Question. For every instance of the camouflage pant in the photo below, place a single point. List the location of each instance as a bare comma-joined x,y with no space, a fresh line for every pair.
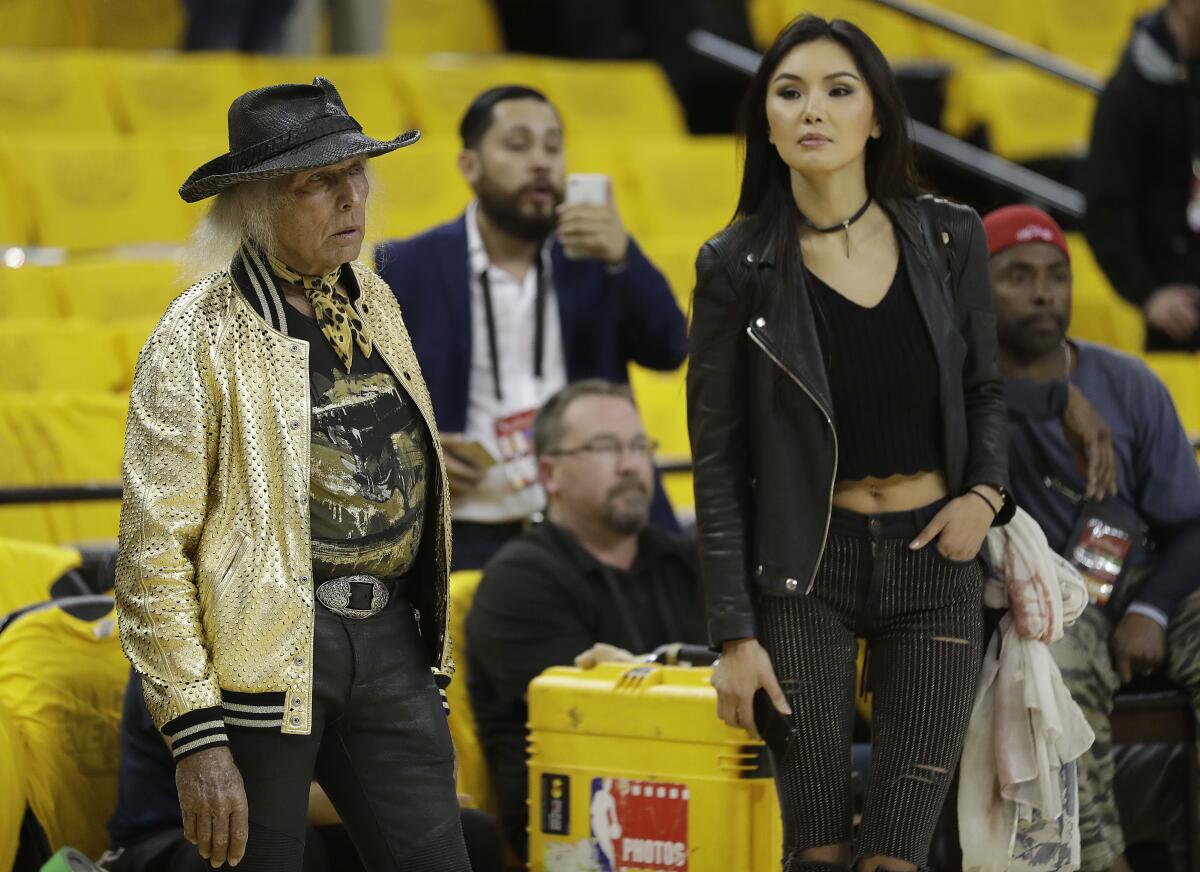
1082,655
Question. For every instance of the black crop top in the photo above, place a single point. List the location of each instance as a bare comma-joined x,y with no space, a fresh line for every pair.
883,376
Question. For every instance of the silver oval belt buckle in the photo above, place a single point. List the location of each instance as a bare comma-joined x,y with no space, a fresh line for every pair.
335,596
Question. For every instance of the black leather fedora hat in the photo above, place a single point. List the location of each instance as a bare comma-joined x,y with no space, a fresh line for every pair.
281,129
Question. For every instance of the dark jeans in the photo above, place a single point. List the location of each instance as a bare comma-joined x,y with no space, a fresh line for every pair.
922,617
236,25
380,748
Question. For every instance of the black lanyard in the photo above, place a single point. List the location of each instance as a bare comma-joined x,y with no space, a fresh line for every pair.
539,331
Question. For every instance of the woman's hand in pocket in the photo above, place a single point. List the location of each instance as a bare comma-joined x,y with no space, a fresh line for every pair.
959,528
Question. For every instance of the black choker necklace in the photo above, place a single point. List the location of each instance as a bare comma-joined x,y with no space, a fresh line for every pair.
841,225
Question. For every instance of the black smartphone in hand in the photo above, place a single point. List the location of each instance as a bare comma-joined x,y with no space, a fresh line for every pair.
774,727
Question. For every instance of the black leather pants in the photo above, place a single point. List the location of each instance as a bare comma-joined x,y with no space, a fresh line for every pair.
380,748
922,617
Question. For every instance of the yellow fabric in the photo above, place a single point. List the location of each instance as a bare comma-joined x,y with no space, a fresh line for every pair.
30,292
418,189
62,681
206,518
15,225
1181,374
114,290
698,177
1098,313
334,314
472,767
12,789
27,569
92,192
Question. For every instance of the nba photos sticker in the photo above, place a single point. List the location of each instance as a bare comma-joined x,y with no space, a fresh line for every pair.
639,826
556,804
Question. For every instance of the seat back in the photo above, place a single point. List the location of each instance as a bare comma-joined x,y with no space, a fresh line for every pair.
27,571
472,767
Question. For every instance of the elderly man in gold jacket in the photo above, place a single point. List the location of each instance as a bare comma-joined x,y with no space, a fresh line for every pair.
284,547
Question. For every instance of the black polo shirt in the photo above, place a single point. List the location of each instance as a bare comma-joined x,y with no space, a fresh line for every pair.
542,601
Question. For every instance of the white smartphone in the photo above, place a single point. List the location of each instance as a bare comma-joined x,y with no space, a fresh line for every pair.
590,188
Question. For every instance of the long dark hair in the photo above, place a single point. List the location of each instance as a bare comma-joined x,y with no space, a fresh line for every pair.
766,200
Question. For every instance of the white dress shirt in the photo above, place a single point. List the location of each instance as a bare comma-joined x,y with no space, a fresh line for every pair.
500,497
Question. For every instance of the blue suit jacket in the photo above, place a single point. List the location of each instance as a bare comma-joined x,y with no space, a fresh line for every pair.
607,319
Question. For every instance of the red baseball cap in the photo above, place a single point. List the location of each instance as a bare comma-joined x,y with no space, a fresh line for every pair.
1016,225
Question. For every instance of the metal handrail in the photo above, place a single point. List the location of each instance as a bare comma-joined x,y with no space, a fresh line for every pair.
70,493
976,160
1001,43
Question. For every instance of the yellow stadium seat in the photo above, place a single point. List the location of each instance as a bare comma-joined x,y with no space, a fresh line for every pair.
54,92
1026,113
46,354
62,439
685,190
439,88
91,193
16,222
28,569
29,292
1019,19
662,401
676,259
130,335
117,290
136,24
442,26
897,36
601,99
367,85
1094,38
177,93
44,24
416,188
472,767
1098,313
1181,374
13,798
62,683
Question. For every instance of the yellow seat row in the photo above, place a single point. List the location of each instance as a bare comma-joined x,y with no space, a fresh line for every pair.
1091,35
411,25
189,93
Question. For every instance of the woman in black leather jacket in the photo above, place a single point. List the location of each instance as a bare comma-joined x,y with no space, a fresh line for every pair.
848,435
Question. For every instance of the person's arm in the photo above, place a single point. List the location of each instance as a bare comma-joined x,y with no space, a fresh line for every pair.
1167,494
718,427
170,455
1113,183
983,389
654,330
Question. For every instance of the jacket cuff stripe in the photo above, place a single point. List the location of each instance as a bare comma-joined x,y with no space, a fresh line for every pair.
195,731
255,722
192,746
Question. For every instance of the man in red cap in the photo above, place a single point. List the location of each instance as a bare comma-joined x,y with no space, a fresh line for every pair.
1140,483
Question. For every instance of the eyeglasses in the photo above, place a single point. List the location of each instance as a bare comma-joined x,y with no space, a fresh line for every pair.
606,447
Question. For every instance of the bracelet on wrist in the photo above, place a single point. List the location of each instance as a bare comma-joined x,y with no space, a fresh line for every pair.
987,502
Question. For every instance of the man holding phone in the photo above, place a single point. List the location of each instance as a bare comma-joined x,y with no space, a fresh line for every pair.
519,296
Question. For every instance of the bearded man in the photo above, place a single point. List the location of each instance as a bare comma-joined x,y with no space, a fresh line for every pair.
593,583
520,296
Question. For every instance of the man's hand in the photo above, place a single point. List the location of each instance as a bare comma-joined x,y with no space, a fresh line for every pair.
1175,310
602,652
212,800
461,469
961,525
1091,442
1138,646
596,231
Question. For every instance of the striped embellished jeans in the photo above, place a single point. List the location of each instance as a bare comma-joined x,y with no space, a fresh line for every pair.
922,617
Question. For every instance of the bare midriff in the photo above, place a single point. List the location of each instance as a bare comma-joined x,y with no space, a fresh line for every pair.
896,493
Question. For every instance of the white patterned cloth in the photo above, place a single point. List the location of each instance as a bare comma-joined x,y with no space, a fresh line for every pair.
1017,796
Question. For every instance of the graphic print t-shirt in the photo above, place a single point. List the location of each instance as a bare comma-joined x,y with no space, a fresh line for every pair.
369,459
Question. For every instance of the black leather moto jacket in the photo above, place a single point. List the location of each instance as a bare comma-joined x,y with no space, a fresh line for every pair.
760,417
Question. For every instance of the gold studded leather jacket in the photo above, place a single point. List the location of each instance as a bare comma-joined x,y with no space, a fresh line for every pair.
213,592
